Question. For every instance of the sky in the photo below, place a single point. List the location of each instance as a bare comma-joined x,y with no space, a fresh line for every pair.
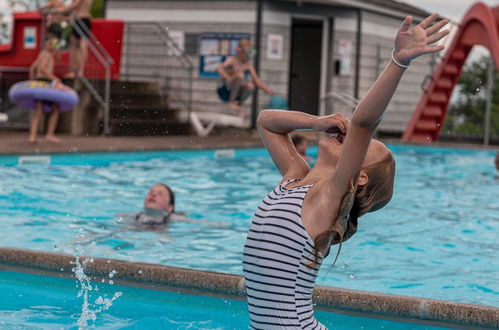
452,9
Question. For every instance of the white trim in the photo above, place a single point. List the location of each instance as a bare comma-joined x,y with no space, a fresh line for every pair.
324,65
271,17
345,24
379,30
181,15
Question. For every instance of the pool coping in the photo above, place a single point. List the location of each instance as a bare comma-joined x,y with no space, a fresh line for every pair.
177,279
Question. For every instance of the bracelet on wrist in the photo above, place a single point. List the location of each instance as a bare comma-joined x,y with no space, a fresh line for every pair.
397,63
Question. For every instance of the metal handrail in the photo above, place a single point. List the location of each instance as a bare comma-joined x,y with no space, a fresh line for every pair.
169,43
107,61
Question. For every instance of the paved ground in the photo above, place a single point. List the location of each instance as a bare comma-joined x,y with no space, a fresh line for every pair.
17,142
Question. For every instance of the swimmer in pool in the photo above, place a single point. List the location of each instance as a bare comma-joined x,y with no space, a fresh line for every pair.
311,209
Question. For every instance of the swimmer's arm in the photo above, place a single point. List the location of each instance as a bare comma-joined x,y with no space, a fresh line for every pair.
221,69
368,114
274,127
258,82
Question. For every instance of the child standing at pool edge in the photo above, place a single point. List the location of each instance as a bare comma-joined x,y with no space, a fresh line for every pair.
43,69
311,209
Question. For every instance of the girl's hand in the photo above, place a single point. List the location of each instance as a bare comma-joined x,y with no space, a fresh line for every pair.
332,124
411,43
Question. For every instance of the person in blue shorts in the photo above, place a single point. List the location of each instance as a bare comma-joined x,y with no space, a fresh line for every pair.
234,88
310,209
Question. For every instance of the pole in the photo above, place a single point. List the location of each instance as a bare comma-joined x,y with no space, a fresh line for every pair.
258,46
488,104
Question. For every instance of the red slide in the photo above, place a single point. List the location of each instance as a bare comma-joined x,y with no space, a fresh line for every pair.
480,26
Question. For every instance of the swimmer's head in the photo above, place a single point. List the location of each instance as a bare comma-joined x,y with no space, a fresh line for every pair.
245,49
160,197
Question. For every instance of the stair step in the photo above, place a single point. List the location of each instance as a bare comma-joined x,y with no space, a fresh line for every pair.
438,98
433,111
119,85
421,138
427,125
445,83
148,128
451,69
145,101
147,115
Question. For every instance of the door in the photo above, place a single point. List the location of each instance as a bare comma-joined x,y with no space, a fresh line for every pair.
305,67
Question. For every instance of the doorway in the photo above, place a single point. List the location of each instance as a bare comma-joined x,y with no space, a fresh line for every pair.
305,66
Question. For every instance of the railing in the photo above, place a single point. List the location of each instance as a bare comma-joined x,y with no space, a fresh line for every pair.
151,54
99,88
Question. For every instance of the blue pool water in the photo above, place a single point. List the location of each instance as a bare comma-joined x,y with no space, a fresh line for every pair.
436,239
40,302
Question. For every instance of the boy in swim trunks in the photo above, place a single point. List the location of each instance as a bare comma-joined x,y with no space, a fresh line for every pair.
80,10
54,9
42,69
233,88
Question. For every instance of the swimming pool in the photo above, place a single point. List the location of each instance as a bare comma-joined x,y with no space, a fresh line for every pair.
436,239
45,302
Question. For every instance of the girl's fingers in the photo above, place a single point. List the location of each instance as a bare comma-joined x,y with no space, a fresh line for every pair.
428,20
435,27
406,24
437,37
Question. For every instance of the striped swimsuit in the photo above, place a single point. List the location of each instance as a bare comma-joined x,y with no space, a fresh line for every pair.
277,263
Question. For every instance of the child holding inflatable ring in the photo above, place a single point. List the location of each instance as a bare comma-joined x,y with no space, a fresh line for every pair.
42,70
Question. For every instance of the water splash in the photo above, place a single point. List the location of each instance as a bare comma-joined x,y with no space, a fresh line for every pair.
89,311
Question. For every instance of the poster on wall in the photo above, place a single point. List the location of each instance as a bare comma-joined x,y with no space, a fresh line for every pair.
344,55
178,38
29,37
214,48
275,46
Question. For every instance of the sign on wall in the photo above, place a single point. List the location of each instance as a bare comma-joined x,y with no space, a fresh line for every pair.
214,48
29,37
275,46
344,55
178,38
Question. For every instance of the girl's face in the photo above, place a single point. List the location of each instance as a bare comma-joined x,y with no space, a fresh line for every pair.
158,198
330,150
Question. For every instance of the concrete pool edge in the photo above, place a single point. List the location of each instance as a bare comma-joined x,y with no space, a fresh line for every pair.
228,285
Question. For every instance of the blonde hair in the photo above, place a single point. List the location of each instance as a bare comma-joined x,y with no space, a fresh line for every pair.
356,202
244,44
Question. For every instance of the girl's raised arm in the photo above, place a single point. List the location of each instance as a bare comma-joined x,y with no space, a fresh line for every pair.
409,44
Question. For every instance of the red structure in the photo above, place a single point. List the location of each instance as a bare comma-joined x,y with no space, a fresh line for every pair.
480,26
26,43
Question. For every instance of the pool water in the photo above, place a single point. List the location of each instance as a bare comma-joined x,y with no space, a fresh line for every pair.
436,239
41,302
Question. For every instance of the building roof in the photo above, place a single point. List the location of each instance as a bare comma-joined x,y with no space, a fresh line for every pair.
393,7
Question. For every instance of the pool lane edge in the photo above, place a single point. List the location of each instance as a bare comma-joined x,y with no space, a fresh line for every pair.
177,279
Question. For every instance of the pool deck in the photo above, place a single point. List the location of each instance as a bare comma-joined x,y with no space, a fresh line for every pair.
16,143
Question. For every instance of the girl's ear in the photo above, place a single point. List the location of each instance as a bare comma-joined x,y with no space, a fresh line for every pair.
363,178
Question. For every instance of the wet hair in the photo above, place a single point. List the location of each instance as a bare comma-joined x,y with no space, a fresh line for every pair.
172,195
244,44
356,202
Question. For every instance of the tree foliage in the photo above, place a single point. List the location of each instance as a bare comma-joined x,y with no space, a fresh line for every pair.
467,115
